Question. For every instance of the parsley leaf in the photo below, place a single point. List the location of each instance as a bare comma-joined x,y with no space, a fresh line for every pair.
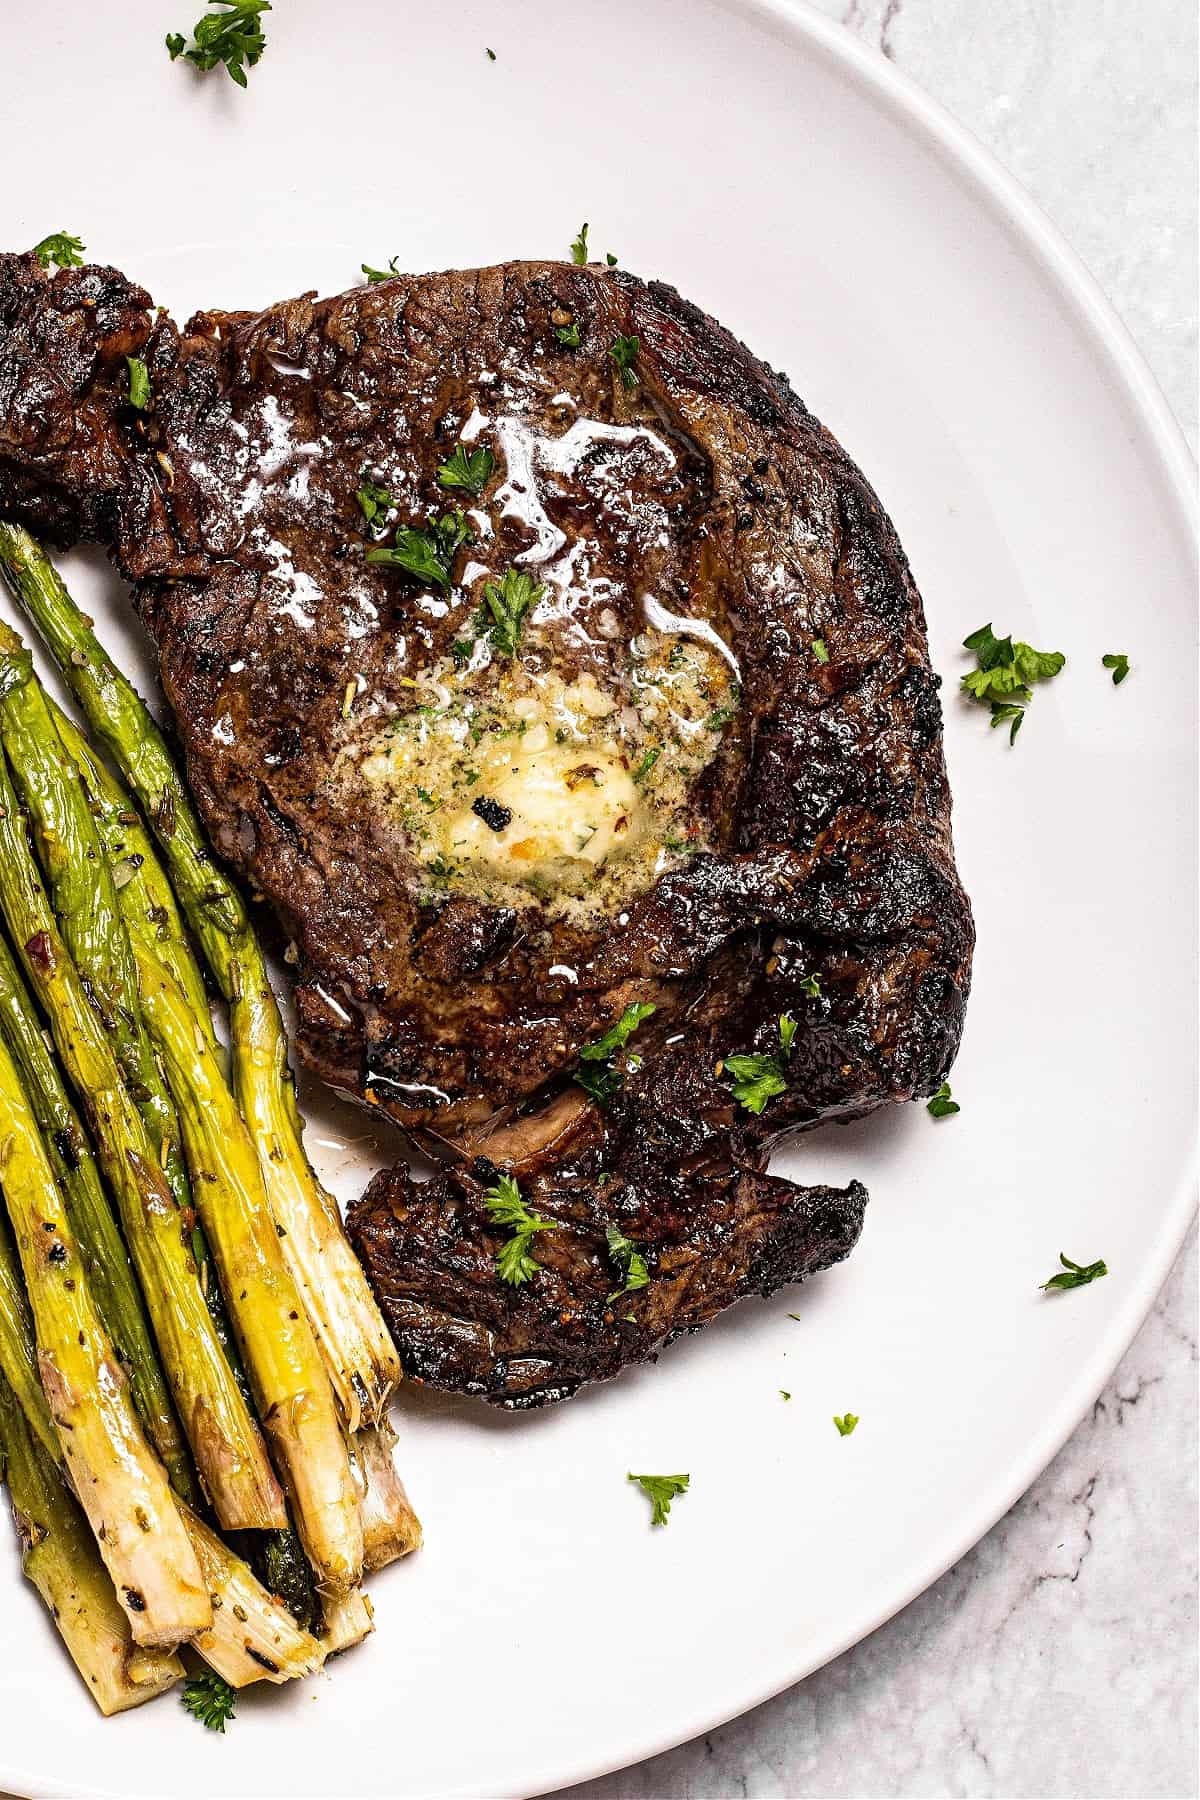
660,1490
630,1263
819,650
427,553
139,383
811,985
1005,673
610,259
846,1423
941,1106
568,336
756,1079
625,352
1118,662
514,1264
508,604
759,1078
374,275
1004,713
209,1699
467,469
60,248
603,1080
579,249
783,1394
491,55
375,502
232,36
647,763
1075,1274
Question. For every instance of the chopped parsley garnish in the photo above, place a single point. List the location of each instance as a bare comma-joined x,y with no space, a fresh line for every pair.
601,1077
568,336
629,1261
427,553
625,352
209,1699
374,275
491,54
1118,662
514,1264
1004,677
509,601
1075,1274
819,650
810,985
610,259
61,249
717,720
759,1078
139,383
467,469
846,1423
232,36
1004,712
375,503
941,1105
579,249
783,1394
660,1490
647,763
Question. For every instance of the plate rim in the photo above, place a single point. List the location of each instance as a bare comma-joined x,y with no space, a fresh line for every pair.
1096,319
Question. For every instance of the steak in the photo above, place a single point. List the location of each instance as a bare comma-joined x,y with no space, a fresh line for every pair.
549,669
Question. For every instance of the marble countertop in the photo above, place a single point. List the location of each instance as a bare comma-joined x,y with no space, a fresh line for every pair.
1059,1656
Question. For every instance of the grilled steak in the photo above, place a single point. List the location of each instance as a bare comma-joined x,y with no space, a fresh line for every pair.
638,715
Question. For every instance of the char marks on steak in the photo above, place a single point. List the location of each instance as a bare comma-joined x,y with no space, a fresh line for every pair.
710,779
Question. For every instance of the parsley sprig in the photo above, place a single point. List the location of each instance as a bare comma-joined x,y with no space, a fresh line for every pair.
660,1490
599,1074
629,1262
1118,662
426,553
941,1106
759,1078
1005,675
61,249
139,383
625,352
846,1423
467,469
374,275
508,601
1075,1274
579,249
231,36
209,1699
514,1263
375,502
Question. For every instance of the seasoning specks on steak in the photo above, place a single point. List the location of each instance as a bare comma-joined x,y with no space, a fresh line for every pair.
489,831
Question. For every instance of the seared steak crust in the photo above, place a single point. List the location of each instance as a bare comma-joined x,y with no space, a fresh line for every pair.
807,867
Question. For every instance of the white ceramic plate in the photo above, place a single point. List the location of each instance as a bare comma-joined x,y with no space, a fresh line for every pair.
803,192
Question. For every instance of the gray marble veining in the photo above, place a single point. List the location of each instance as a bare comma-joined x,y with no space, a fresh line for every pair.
1058,1658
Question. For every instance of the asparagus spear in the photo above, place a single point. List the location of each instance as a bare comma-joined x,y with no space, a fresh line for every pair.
354,1341
120,1483
18,1357
252,1636
286,1372
391,1528
59,1556
223,1434
111,1276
